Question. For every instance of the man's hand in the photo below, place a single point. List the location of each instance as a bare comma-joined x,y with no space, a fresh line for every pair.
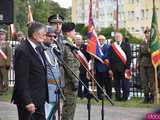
31,107
110,74
106,61
87,75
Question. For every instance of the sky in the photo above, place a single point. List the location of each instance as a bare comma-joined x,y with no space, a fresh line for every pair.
64,3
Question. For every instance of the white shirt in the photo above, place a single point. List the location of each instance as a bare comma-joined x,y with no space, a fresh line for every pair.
33,45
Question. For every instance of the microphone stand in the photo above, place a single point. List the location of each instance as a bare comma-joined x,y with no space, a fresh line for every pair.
89,96
102,110
89,105
105,94
59,93
67,67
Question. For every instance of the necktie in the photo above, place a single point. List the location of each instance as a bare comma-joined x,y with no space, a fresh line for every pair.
40,54
118,42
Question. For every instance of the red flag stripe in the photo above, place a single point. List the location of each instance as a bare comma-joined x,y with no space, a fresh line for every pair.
119,54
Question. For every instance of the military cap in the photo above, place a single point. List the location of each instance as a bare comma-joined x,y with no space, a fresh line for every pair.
55,18
67,27
2,30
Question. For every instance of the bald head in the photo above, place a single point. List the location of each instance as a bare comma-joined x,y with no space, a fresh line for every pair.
118,36
78,40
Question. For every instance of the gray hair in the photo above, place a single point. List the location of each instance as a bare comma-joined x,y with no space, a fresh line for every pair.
36,27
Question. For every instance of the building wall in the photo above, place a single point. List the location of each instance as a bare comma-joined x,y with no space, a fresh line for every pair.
134,15
138,15
74,11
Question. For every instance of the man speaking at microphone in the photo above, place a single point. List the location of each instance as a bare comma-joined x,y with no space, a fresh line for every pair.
30,89
71,83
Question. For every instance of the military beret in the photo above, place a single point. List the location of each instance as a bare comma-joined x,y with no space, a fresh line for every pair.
67,27
55,18
2,30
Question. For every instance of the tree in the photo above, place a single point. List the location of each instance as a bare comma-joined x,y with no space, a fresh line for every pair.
107,33
54,8
41,9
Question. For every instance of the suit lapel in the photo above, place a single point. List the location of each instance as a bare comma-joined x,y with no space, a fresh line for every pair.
31,49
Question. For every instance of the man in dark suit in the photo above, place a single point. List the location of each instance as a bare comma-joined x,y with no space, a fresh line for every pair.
30,90
120,59
82,91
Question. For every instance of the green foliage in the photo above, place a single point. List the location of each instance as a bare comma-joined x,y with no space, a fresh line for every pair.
82,29
79,28
40,9
54,8
20,15
107,33
84,32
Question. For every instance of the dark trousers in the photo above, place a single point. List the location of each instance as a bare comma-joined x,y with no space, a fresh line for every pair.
23,114
121,83
105,82
82,91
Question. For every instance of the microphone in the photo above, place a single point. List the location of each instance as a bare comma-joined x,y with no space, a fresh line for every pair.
72,47
55,49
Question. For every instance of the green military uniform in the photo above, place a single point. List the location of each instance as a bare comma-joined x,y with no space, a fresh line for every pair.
146,70
4,66
70,88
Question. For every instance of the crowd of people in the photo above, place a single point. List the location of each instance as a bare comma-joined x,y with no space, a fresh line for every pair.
47,68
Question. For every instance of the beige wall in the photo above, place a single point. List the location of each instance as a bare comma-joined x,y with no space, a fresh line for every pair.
74,14
140,15
137,16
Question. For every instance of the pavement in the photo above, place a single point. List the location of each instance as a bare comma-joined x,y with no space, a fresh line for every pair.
8,112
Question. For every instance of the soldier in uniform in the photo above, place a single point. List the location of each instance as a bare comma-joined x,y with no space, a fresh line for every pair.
56,22
71,82
5,61
146,68
53,71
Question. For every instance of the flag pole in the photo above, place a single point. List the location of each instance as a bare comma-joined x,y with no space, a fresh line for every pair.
117,15
156,101
156,91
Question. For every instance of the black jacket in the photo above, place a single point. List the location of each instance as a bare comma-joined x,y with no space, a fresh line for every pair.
30,77
116,63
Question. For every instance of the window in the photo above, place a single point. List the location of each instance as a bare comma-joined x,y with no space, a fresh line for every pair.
142,14
142,28
132,14
132,29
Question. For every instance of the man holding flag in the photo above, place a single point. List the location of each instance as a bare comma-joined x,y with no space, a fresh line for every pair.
155,48
146,68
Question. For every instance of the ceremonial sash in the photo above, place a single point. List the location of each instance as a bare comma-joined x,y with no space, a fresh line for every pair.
82,59
120,53
4,56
